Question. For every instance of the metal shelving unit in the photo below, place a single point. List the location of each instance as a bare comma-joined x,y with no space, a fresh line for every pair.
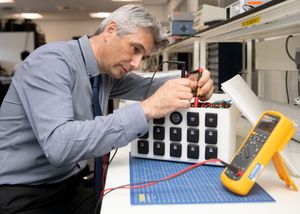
273,19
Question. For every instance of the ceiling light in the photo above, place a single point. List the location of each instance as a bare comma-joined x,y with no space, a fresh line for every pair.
31,15
99,15
7,1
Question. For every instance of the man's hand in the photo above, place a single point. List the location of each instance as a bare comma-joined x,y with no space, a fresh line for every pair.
173,94
205,83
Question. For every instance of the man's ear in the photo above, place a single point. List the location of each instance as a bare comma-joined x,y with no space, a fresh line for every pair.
111,27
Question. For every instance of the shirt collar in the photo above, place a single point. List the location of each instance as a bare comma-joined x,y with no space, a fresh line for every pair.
88,57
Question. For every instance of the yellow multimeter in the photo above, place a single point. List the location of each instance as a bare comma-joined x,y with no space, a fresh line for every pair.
271,133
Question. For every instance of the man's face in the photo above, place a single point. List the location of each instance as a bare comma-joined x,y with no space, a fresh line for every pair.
124,54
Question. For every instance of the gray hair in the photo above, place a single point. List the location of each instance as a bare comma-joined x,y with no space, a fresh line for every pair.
130,17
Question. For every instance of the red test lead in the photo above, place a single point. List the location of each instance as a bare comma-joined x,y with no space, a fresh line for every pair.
196,100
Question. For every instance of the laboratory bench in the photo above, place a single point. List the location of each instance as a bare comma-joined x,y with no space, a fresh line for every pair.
286,200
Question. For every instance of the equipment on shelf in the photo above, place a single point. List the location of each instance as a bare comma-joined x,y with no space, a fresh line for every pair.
207,15
181,23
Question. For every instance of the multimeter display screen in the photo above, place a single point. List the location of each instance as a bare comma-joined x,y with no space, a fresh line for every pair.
253,144
267,123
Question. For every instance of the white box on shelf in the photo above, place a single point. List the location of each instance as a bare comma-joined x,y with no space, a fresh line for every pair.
207,14
233,9
242,6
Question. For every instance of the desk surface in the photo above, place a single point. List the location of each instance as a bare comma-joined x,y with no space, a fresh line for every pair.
119,200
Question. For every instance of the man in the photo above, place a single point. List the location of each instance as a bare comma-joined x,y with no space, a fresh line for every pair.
47,130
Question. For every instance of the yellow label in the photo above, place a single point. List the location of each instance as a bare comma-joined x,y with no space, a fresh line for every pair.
250,22
142,197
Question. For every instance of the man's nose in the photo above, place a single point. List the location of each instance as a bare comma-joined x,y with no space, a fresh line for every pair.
136,61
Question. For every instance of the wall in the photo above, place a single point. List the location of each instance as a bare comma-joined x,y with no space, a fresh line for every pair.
172,5
11,45
272,64
63,30
160,13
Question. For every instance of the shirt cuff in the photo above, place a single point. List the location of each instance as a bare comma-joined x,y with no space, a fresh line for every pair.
133,120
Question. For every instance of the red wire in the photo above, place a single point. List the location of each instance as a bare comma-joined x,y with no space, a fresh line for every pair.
196,101
151,183
105,161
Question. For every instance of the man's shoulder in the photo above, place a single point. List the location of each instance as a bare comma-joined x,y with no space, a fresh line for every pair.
59,47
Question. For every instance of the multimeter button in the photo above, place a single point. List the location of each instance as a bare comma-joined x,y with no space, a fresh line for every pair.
175,134
159,120
211,136
176,117
239,173
211,120
158,132
192,119
143,147
175,150
211,152
193,151
193,135
159,148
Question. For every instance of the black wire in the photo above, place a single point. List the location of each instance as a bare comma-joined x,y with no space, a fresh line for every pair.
290,56
297,141
287,47
107,165
97,205
286,87
168,61
112,157
105,173
149,85
298,87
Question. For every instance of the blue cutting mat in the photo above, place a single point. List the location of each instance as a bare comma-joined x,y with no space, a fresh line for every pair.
200,185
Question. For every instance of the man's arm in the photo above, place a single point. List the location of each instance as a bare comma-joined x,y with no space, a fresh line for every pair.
165,94
177,94
136,87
